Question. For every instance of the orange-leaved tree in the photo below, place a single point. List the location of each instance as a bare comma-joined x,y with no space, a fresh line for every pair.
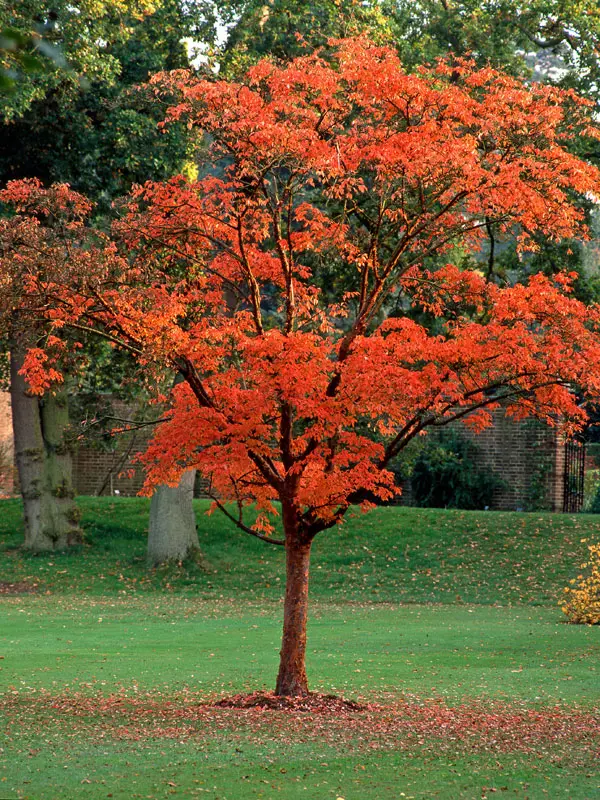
294,286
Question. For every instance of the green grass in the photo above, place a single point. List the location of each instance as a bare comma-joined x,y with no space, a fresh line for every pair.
170,644
389,555
436,609
288,772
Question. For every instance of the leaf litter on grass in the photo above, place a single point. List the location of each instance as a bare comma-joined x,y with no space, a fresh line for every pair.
364,726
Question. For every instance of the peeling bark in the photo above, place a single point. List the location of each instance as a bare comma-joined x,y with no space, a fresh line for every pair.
291,679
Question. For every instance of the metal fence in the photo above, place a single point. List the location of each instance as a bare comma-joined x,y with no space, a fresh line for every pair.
574,477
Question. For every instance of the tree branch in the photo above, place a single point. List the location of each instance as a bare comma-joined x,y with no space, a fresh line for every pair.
245,528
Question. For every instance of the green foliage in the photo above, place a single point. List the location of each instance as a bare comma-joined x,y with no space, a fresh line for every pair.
17,55
55,48
109,375
551,258
85,119
536,495
285,29
428,29
564,34
594,505
539,464
505,33
101,135
446,474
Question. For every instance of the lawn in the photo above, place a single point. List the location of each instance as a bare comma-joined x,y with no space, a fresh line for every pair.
443,625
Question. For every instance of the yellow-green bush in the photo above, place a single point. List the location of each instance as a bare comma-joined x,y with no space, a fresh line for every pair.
582,599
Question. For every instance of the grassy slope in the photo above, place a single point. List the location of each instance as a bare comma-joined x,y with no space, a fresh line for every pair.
407,603
389,555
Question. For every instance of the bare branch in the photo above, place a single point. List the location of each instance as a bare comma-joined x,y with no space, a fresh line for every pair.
245,528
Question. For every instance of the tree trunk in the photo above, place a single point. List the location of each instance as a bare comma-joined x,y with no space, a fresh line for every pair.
292,680
44,465
172,534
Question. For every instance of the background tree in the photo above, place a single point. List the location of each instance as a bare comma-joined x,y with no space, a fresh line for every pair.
40,423
556,39
57,242
95,127
83,117
356,162
50,47
49,55
285,29
552,41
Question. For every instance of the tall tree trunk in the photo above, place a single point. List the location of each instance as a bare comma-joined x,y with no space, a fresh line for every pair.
292,680
44,465
172,534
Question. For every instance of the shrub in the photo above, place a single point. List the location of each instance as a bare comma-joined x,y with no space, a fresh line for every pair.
582,598
593,506
446,474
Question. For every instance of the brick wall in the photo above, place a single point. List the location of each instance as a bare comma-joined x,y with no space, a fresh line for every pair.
528,456
110,466
103,471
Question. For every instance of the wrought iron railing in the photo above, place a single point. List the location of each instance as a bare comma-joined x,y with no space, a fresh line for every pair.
574,477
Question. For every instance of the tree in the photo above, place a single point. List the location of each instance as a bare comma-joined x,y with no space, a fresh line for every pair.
563,34
285,29
44,464
100,135
172,533
504,33
82,118
39,423
554,41
343,160
60,46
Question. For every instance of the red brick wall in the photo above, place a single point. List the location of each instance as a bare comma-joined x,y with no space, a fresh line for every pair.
526,455
101,472
112,468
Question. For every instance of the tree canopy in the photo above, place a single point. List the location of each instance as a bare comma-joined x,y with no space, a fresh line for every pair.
340,158
562,36
60,45
87,119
